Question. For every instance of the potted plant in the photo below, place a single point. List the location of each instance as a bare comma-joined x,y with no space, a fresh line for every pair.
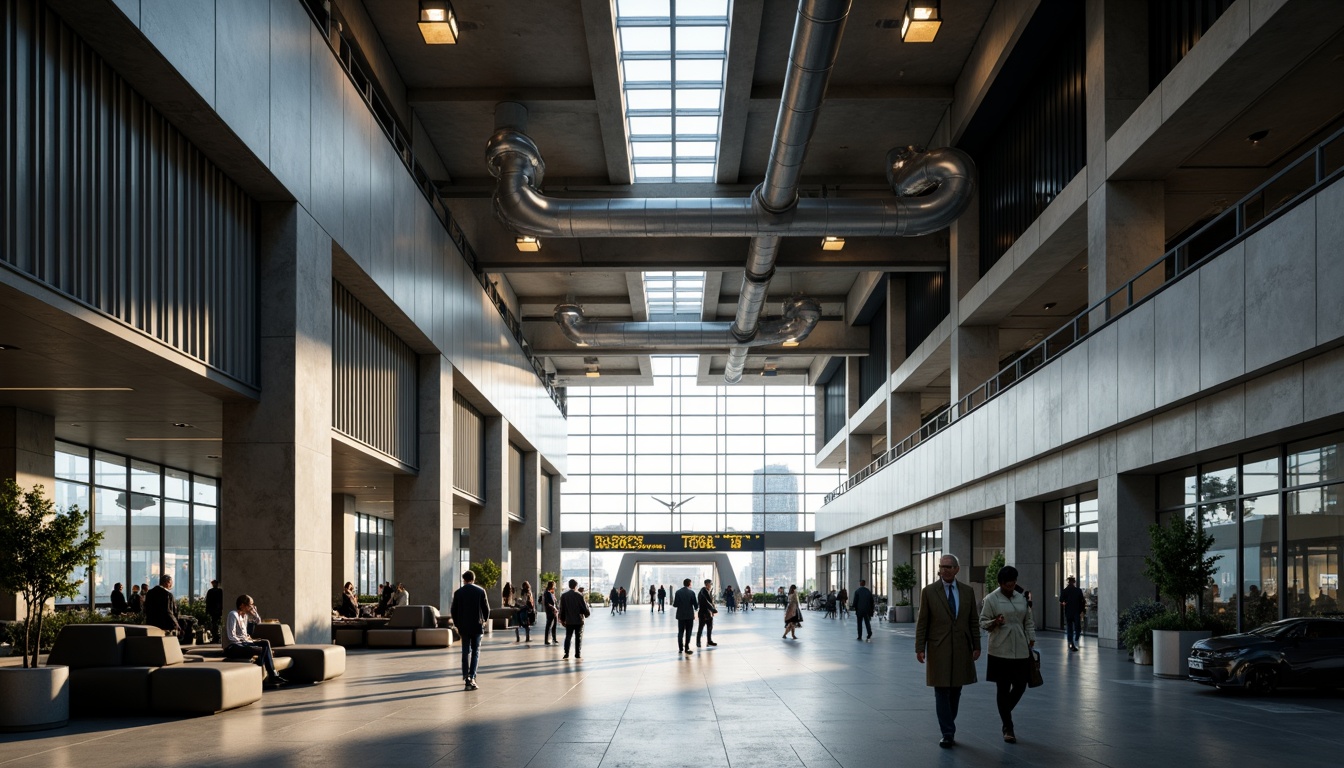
903,581
487,576
40,548
1180,567
545,577
1135,631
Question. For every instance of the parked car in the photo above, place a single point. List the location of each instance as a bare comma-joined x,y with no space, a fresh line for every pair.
1305,652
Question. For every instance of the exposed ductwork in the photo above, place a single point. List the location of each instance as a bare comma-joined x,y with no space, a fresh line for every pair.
932,188
801,315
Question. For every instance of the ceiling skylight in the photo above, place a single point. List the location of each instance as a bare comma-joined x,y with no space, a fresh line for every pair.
672,55
674,295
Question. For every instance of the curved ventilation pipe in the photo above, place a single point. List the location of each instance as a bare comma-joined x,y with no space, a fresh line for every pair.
801,315
932,189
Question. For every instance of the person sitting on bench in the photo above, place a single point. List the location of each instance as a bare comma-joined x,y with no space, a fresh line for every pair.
238,644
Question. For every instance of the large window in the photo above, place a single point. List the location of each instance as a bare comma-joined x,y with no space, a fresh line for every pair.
926,547
373,553
1277,524
680,456
1071,550
154,520
873,567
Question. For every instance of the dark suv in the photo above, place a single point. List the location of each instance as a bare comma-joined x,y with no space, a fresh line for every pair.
1292,652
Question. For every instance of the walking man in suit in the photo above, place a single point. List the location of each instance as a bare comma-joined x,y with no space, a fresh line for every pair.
684,602
573,610
707,611
470,610
948,635
863,609
1074,603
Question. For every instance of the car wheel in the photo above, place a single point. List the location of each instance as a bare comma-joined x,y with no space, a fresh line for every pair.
1261,680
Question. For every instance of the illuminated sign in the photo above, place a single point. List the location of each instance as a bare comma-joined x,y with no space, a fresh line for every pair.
678,542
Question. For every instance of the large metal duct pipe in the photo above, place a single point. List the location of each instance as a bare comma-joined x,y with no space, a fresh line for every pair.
801,315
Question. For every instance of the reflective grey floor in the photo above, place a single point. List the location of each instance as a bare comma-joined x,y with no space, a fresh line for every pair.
755,700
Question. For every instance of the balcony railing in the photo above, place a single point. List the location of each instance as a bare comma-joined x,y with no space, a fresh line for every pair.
1303,178
347,54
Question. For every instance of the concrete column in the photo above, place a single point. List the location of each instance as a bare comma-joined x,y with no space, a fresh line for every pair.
275,521
550,543
525,540
1024,549
975,358
853,558
342,542
490,523
1125,508
1126,231
28,457
823,577
964,252
1117,74
898,551
902,416
957,541
896,351
853,396
858,452
423,502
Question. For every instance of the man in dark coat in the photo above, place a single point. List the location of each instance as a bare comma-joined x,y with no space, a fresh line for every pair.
1074,603
662,598
118,600
948,633
470,610
214,606
863,609
683,602
706,615
161,607
573,610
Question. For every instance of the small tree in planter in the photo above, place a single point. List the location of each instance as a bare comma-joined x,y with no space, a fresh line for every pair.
487,573
545,577
1179,564
903,581
996,564
40,548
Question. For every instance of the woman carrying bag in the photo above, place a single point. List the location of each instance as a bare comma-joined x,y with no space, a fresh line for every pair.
527,613
1012,634
793,615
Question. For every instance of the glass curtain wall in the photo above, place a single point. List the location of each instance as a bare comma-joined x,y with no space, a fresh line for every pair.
1277,525
373,553
681,457
926,547
154,520
873,567
1071,550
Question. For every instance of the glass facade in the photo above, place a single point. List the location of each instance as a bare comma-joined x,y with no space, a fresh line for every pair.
1071,550
154,520
926,547
873,567
373,553
1277,525
678,456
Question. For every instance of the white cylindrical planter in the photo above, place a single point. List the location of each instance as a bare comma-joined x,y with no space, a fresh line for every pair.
1143,656
1171,651
34,699
901,614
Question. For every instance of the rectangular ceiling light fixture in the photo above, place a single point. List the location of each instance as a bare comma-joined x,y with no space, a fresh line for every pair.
527,243
438,22
922,20
832,243
671,56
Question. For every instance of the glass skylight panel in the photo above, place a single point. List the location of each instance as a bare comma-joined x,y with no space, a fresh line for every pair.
674,295
672,55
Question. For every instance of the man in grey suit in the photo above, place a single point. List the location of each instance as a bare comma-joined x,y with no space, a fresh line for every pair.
684,603
948,634
470,610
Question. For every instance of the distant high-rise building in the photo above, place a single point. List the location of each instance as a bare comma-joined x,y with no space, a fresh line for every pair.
775,506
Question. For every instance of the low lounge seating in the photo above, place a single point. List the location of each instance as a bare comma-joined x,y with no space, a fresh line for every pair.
131,669
411,626
298,663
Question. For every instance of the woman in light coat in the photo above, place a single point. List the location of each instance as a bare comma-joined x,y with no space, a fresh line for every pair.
793,615
1006,616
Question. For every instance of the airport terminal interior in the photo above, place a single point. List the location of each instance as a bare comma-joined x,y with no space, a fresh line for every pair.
295,293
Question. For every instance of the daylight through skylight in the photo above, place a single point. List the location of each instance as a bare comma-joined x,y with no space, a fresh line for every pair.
672,55
674,295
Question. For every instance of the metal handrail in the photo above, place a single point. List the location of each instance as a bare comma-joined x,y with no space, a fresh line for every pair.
344,51
1247,216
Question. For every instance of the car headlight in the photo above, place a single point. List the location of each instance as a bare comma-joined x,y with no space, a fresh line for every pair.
1230,653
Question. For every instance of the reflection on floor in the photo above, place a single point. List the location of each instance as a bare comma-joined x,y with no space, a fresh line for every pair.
755,700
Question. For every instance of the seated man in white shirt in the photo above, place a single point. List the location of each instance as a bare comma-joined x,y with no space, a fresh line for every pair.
238,644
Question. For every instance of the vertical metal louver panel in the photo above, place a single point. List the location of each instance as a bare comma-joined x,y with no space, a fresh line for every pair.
468,449
873,368
928,299
833,401
373,380
1174,26
107,203
1038,148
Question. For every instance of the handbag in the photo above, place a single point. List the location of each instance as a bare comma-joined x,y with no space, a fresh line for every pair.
1036,681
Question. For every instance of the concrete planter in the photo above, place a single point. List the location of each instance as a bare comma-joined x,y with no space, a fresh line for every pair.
1143,656
901,614
34,699
1171,651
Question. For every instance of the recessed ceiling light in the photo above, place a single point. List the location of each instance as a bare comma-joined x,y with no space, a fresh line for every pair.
1049,305
1257,137
8,348
183,425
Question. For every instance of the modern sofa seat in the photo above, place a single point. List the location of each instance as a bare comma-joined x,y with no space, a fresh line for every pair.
411,626
130,669
304,663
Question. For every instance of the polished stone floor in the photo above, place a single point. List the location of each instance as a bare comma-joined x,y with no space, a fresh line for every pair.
755,700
